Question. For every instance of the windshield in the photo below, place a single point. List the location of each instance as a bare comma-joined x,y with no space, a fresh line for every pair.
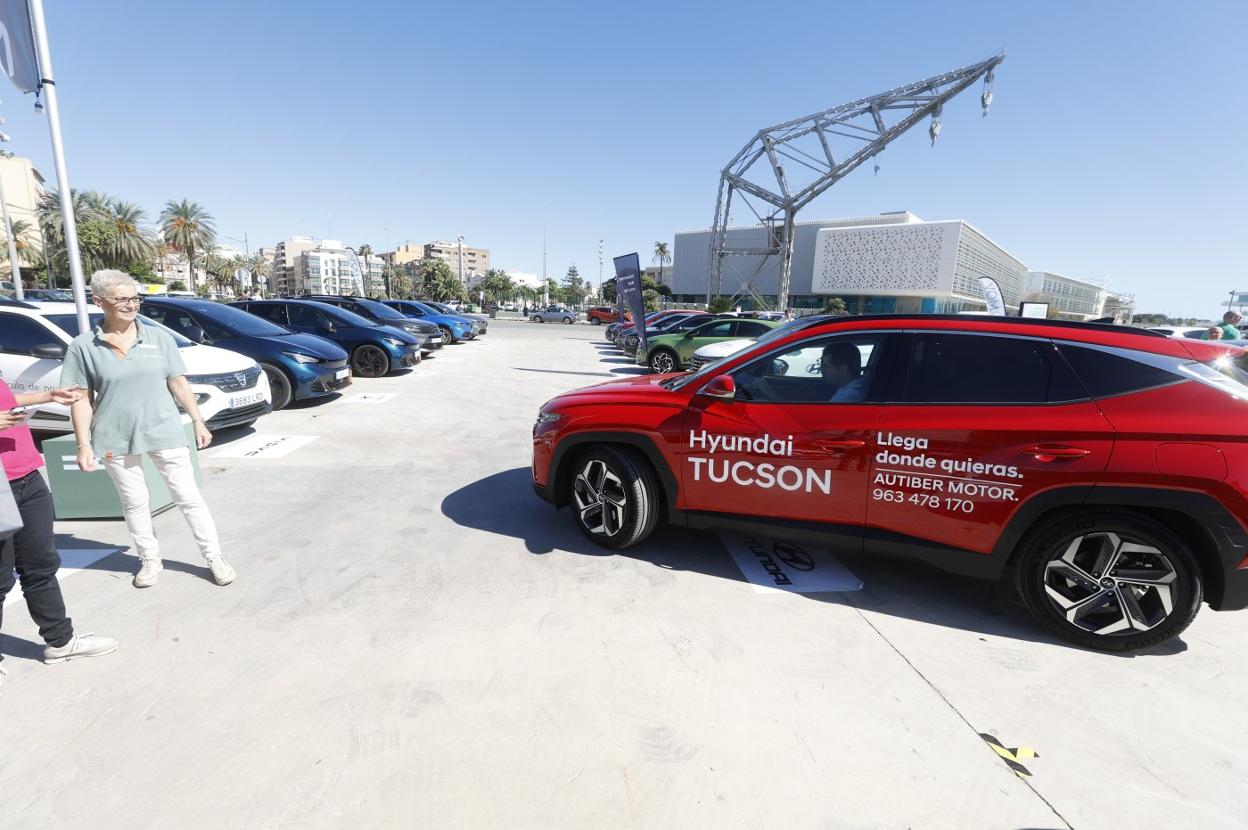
240,322
380,310
69,324
710,368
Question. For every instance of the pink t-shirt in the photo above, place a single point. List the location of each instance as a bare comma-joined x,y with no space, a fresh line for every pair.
18,455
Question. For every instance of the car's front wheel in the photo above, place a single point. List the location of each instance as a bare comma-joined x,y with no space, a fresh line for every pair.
614,496
1109,581
370,361
279,385
448,336
594,321
663,361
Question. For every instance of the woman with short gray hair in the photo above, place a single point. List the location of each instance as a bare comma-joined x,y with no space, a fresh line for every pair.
133,373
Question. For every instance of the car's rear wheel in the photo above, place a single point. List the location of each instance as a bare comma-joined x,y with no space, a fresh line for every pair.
614,497
663,361
567,321
594,321
370,362
279,385
1109,581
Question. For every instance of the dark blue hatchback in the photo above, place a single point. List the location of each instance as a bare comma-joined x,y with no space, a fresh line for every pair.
374,349
299,366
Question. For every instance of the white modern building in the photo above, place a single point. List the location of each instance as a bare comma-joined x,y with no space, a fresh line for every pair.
1069,298
303,265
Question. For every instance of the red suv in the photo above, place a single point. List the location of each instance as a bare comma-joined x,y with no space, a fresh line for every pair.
1102,470
605,314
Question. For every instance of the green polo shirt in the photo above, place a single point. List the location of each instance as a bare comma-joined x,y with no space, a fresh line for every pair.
134,411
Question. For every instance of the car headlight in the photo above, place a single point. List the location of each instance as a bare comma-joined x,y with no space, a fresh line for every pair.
394,341
300,357
544,417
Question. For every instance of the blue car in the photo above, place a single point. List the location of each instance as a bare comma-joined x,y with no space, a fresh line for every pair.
454,327
430,335
299,366
374,349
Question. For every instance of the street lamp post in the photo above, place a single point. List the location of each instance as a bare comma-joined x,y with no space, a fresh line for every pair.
461,260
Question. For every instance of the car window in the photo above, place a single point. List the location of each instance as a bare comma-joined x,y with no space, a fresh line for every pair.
723,328
836,369
273,312
182,322
749,328
986,369
302,315
20,334
1105,375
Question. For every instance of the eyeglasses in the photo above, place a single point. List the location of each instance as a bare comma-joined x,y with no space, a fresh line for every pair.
124,301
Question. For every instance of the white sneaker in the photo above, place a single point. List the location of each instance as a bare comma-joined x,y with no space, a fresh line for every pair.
149,572
222,573
84,645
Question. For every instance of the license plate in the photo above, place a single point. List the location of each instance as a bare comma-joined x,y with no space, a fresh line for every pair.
246,400
341,373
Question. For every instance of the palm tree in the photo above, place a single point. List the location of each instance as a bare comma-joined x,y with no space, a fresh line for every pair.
364,251
663,256
133,243
189,228
259,266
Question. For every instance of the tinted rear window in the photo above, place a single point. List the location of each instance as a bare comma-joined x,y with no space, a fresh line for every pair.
1105,375
985,369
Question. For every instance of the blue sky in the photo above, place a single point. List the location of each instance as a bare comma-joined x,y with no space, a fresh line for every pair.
1115,147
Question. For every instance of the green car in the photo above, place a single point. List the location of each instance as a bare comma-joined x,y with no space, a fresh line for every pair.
671,352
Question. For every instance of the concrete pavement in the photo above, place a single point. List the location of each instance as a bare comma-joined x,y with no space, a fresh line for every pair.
415,640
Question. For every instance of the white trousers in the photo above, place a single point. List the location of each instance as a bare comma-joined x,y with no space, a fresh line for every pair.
175,468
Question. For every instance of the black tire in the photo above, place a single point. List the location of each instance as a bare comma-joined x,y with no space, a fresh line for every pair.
370,361
536,319
1060,573
448,336
594,321
567,321
279,385
629,505
662,361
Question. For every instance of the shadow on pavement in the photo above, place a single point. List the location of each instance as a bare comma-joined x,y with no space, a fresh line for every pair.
504,503
631,370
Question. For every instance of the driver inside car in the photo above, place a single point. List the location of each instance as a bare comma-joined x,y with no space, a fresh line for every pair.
841,367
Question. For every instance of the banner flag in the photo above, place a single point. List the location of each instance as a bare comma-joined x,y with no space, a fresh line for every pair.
628,290
992,296
357,274
17,45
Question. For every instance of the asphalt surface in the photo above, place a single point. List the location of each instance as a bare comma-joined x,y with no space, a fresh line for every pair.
415,640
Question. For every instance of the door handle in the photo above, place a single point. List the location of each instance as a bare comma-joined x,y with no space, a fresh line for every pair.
838,445
1054,452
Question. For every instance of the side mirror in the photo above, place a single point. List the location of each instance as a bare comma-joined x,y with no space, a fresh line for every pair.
196,334
49,351
721,386
327,327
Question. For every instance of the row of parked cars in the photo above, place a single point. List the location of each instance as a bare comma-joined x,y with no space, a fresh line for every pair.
249,357
675,337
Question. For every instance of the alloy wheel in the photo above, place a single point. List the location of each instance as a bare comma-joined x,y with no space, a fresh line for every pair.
600,498
662,363
371,362
1109,585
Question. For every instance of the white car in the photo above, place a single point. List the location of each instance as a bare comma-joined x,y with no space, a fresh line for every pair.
231,389
1193,332
713,352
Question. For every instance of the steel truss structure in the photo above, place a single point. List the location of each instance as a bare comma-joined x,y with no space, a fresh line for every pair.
852,133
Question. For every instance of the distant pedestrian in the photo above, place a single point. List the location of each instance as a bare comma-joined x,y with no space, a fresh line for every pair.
526,309
1214,333
1230,325
133,373
31,551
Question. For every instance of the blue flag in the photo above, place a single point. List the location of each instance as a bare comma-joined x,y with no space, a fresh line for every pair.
628,289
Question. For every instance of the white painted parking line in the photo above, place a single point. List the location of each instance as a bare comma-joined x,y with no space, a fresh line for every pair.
264,446
371,397
774,566
73,560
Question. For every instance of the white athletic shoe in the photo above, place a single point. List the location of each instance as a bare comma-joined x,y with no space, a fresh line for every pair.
222,573
149,572
84,645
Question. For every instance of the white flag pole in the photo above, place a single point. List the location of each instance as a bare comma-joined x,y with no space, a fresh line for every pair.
58,159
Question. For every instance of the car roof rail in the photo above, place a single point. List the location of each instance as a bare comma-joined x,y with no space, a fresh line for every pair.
1013,321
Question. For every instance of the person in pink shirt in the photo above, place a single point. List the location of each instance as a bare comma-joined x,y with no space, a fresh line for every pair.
31,551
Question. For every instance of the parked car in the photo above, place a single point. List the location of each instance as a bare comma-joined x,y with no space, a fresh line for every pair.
725,348
652,319
48,295
298,366
375,349
230,388
1085,465
482,319
553,314
668,325
454,327
1194,332
600,314
670,352
428,333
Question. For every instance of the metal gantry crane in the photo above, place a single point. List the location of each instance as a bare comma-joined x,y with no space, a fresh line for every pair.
825,147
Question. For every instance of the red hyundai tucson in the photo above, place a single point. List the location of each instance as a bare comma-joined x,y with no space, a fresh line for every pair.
1102,470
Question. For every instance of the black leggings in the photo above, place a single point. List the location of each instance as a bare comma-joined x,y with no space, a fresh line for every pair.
32,553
